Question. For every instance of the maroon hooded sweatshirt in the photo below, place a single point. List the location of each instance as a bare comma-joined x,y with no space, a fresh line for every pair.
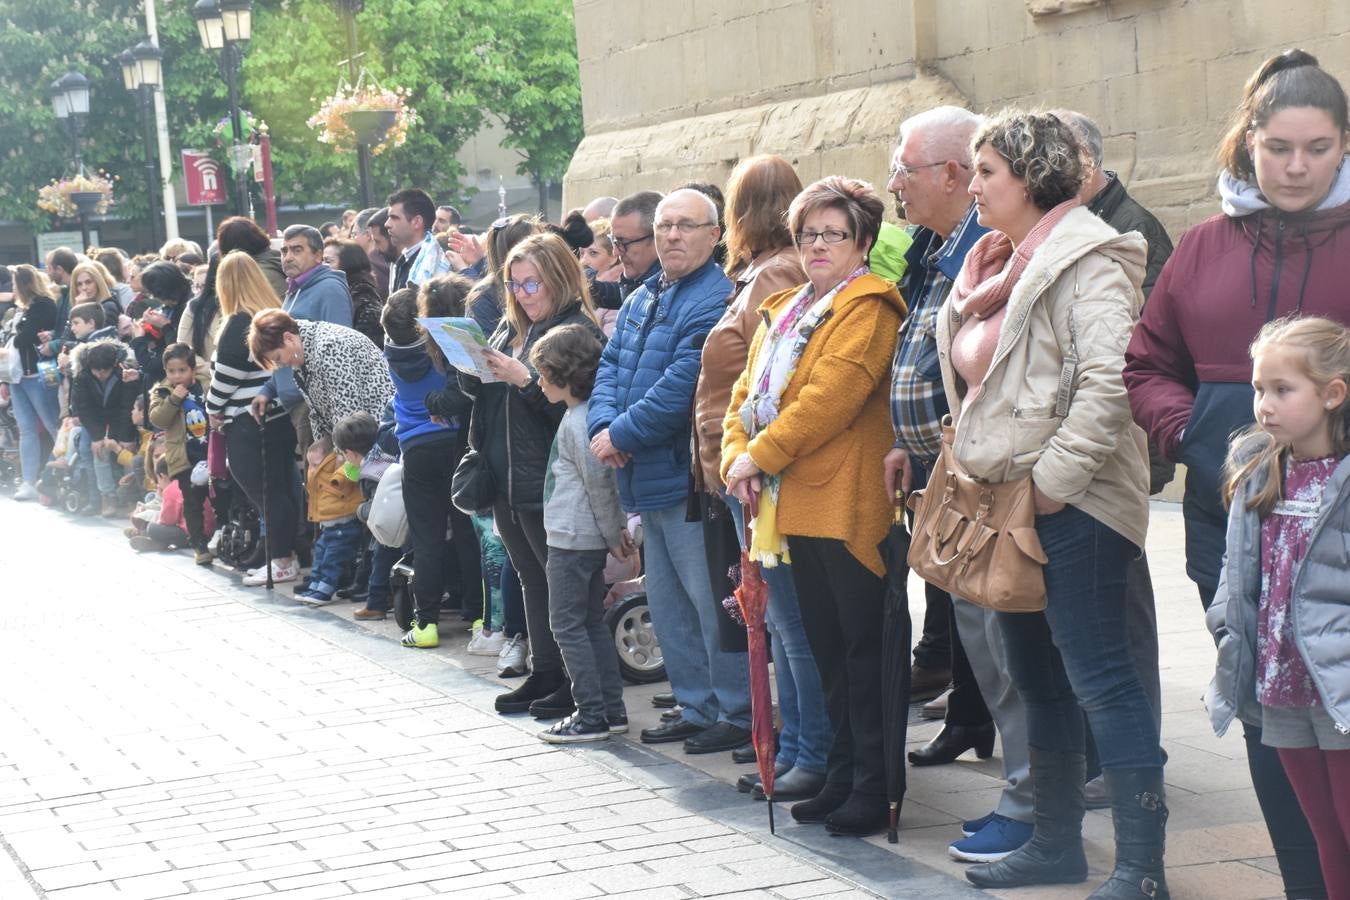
1187,367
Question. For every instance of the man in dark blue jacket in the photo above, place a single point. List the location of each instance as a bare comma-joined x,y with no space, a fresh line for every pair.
639,422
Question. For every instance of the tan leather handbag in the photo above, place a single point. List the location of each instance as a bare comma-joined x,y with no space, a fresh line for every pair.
977,540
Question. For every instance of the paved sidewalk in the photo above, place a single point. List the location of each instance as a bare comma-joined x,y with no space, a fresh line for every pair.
164,733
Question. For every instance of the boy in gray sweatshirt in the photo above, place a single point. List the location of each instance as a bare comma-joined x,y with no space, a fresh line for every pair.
584,523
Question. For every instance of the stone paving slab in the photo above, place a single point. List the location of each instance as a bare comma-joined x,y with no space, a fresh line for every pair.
210,740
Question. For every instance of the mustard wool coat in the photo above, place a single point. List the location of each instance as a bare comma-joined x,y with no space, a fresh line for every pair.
834,427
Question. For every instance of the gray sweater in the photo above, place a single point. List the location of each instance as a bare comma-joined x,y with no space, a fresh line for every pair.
581,498
1319,607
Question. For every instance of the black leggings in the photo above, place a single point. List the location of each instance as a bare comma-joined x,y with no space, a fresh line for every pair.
526,543
427,468
194,502
243,454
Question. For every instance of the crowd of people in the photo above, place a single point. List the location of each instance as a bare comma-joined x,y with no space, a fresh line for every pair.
778,367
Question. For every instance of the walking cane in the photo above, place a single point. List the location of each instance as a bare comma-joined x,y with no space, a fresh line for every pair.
266,525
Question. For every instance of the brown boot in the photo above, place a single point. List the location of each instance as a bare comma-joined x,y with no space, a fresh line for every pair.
109,508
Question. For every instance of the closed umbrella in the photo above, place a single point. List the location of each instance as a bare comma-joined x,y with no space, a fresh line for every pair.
753,597
896,634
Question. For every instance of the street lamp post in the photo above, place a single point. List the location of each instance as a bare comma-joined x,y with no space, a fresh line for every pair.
70,102
142,73
227,25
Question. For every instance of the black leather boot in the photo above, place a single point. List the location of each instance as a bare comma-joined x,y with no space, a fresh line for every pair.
1054,855
1140,817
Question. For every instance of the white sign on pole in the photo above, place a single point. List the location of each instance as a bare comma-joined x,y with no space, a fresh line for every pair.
49,241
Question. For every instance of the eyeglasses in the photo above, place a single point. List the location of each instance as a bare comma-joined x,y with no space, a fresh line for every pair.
686,228
830,236
622,246
530,287
907,172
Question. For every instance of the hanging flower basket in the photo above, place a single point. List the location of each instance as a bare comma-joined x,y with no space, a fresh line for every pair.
59,197
365,114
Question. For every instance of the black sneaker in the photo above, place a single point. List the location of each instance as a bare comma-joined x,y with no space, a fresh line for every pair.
618,723
575,730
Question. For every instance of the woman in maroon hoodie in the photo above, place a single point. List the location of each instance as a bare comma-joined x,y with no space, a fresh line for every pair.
1280,248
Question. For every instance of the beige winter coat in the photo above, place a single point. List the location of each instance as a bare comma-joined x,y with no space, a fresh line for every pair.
1080,291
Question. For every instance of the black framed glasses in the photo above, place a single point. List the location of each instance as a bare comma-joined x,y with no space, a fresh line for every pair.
530,287
622,246
829,236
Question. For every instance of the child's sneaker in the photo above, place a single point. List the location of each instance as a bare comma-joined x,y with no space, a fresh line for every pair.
575,730
214,544
424,637
281,574
485,643
512,661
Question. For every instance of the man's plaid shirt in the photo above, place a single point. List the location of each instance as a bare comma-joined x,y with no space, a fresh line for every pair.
918,402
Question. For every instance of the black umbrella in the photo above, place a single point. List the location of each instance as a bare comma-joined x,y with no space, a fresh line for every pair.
896,634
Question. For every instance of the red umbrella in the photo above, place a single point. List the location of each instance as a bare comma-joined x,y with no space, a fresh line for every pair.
753,596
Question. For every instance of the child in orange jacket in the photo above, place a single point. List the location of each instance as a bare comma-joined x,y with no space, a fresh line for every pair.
333,499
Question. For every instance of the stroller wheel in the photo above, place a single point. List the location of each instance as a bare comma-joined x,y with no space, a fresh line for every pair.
640,659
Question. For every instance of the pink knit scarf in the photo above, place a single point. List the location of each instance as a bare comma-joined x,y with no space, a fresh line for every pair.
987,278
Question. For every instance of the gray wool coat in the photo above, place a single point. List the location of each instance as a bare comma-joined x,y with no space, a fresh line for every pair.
1320,606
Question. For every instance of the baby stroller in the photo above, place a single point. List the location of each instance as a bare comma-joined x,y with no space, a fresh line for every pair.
9,450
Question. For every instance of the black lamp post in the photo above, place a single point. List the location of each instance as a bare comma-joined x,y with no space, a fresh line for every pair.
227,25
70,102
142,73
368,126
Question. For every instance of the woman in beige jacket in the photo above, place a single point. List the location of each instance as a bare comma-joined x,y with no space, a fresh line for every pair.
1032,343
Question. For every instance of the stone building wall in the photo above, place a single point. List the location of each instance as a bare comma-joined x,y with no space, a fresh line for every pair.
674,90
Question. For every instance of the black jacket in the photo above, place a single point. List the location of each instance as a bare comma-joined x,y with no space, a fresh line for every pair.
41,315
513,428
611,294
1114,205
104,409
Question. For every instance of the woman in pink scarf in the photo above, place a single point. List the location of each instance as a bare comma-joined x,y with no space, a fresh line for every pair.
1032,343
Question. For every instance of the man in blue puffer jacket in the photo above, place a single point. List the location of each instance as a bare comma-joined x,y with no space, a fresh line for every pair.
639,422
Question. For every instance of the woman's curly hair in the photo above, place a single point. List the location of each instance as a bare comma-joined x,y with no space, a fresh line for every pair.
1042,150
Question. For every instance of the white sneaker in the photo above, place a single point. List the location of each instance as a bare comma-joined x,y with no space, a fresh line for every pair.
281,573
214,544
26,492
485,643
511,661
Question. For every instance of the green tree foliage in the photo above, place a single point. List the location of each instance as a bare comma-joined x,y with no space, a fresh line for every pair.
460,62
535,86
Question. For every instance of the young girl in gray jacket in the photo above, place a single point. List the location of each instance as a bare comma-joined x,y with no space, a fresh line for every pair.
1282,612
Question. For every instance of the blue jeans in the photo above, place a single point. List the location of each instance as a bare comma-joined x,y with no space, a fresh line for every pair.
36,404
1076,652
382,559
336,546
102,464
709,683
804,742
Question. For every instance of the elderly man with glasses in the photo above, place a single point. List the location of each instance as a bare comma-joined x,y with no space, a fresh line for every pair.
639,422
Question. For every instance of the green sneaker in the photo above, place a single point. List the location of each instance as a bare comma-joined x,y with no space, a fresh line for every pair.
422,636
